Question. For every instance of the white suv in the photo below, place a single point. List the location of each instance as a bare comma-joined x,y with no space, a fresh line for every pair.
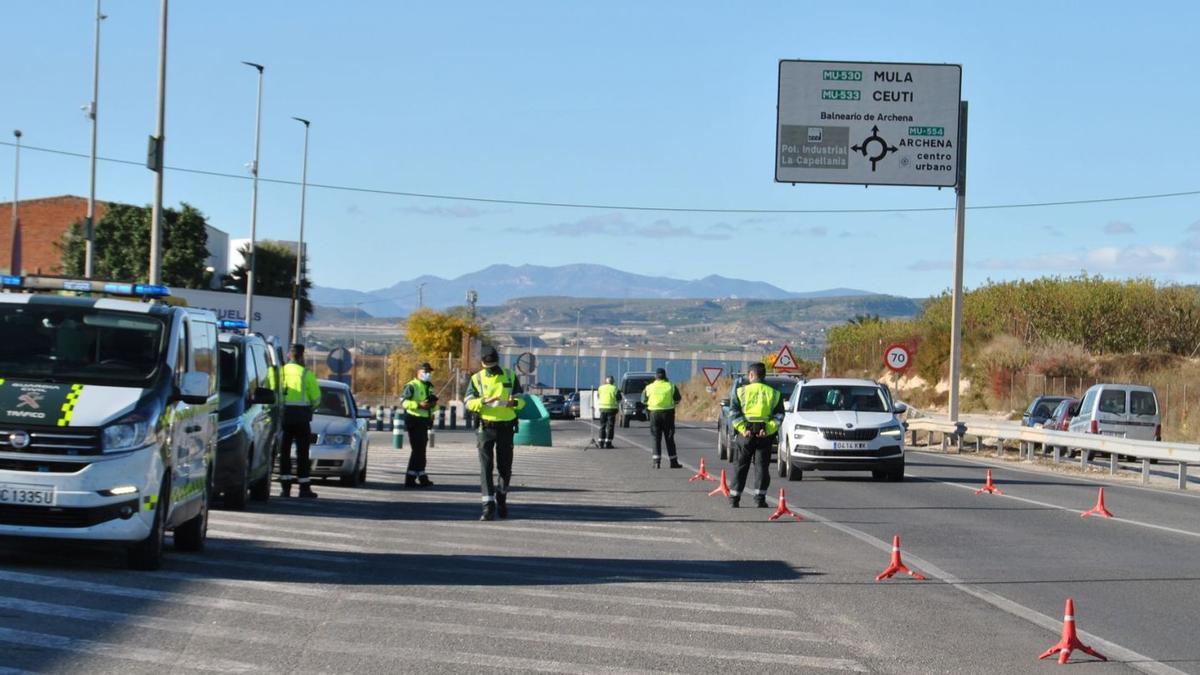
842,425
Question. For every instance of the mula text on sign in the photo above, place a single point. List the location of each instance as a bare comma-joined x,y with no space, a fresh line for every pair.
868,123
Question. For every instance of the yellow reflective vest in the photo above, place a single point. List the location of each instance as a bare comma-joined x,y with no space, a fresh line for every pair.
660,395
756,403
607,397
484,386
300,386
416,393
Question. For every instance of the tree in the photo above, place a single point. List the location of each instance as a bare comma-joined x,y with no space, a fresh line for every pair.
121,246
864,319
274,274
435,334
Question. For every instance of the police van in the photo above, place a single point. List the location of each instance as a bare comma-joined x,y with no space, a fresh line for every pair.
108,415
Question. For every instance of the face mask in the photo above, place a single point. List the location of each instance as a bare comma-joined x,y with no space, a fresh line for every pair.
494,370
426,377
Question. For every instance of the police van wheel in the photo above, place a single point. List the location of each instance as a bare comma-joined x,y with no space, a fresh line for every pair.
235,497
190,536
147,554
260,490
624,422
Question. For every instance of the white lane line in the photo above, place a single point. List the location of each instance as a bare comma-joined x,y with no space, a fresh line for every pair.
1052,624
261,637
300,540
1076,511
621,644
642,601
145,594
124,652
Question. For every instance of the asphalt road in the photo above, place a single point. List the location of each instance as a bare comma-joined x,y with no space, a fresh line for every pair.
609,566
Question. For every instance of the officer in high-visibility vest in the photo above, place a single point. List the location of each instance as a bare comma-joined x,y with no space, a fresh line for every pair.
301,395
660,397
418,401
608,401
755,413
494,395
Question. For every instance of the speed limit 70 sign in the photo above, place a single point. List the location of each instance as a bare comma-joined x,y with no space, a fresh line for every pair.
897,357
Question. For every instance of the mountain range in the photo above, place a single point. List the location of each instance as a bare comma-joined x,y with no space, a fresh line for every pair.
498,284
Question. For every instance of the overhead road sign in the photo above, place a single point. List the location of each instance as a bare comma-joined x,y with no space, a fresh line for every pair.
865,123
712,374
897,358
785,361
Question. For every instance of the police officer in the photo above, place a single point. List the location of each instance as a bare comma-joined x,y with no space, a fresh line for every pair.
301,395
755,413
660,397
418,401
492,394
608,401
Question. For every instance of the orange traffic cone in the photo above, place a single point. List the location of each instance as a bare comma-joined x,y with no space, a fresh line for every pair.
702,474
1098,509
989,487
723,488
783,509
897,565
1070,642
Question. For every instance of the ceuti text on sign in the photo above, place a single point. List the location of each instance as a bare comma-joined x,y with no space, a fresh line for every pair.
868,123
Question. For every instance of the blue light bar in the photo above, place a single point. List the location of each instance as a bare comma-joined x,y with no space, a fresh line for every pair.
232,324
151,291
51,284
7,280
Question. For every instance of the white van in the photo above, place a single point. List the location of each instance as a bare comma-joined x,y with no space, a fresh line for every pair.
108,416
1124,410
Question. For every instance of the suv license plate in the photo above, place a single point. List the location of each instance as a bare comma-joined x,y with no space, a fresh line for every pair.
26,495
844,445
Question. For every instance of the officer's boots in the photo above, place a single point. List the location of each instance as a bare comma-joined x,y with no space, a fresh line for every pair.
306,491
675,464
489,511
502,505
285,488
410,481
424,481
735,501
760,501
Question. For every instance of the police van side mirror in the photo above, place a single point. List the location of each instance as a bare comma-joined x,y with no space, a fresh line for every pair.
264,396
192,389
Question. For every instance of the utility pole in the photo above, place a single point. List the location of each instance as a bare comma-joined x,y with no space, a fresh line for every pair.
578,348
158,152
296,313
15,263
254,202
420,295
92,112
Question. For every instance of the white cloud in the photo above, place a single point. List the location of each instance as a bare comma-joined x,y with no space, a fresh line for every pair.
1140,259
929,265
1118,227
617,224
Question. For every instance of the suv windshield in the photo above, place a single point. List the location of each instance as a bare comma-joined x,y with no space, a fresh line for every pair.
334,402
635,385
842,397
232,372
784,385
79,344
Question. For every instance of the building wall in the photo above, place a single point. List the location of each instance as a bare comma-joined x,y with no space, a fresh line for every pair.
41,226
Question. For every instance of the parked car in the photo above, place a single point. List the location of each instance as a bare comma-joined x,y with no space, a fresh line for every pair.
1040,409
340,444
556,406
1060,419
631,387
249,428
784,384
1125,410
573,405
843,425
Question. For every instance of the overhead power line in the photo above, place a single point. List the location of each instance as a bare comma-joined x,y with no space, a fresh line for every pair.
620,207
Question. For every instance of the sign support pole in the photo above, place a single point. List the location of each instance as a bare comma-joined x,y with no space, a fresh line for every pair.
960,217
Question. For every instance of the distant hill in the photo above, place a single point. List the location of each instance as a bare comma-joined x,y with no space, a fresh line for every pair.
498,284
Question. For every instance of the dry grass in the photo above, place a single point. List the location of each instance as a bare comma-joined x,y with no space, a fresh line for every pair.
698,404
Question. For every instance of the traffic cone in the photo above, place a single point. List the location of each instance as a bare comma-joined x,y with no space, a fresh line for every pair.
783,509
989,487
702,474
1070,642
723,488
897,565
1098,509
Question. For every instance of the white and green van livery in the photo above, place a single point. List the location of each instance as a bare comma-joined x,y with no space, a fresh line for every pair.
108,421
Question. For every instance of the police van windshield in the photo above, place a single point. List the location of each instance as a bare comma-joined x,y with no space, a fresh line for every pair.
232,371
81,345
842,397
334,402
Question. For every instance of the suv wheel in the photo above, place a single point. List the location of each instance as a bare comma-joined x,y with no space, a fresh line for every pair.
722,448
624,421
782,462
147,554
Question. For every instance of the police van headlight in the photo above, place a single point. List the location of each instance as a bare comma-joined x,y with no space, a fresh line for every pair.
228,428
896,431
128,433
337,439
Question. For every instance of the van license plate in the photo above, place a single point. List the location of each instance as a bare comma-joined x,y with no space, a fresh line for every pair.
843,445
26,495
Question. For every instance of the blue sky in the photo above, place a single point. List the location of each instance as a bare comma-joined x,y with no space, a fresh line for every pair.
624,103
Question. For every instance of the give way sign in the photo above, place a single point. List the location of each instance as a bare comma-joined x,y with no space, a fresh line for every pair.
712,373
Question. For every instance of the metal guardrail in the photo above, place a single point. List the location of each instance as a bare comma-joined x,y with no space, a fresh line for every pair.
1057,443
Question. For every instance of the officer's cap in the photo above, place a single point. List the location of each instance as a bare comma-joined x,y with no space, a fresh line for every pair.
490,356
426,367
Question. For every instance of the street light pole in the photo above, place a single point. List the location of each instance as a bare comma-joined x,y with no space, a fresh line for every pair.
14,263
90,219
354,358
300,245
155,272
254,201
420,295
578,350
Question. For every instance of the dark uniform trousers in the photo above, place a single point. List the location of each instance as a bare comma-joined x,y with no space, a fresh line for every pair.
758,449
418,436
495,454
297,428
662,426
608,421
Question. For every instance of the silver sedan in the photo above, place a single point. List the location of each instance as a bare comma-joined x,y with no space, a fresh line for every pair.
340,443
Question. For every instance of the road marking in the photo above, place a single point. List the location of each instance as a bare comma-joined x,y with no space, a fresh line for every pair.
643,601
1052,624
123,652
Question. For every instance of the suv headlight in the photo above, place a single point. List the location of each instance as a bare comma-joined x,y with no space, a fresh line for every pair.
337,439
129,433
896,431
799,430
